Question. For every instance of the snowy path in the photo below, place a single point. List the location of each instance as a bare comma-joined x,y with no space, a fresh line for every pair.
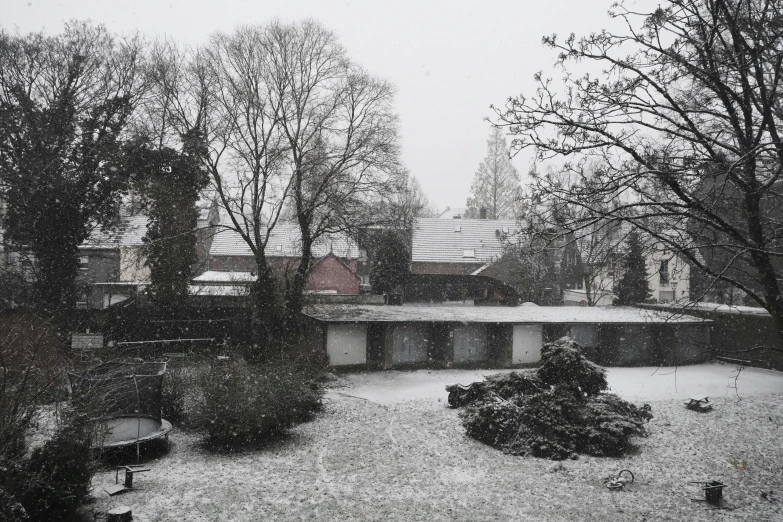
636,384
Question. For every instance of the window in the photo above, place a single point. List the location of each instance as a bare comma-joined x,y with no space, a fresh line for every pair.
81,301
84,262
663,273
469,253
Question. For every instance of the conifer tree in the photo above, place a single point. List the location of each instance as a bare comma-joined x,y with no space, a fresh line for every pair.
633,286
496,187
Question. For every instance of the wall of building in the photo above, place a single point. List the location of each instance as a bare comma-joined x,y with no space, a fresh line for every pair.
732,334
331,275
132,265
102,266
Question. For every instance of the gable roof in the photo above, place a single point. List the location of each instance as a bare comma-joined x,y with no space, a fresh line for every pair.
284,241
438,241
129,232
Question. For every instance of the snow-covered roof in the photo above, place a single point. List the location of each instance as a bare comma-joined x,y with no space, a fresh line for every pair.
525,314
218,290
715,307
129,232
212,276
460,240
284,241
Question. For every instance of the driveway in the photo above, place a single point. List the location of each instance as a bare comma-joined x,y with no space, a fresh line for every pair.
635,384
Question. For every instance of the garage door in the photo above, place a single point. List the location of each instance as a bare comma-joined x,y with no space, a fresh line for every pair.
470,343
346,344
527,343
409,344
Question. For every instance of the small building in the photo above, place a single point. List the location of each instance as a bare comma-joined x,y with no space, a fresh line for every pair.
382,337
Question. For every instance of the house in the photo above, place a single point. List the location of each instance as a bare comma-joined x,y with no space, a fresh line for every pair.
458,246
602,252
337,267
381,337
112,265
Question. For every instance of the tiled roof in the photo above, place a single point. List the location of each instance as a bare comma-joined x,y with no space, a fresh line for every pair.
285,241
437,240
129,232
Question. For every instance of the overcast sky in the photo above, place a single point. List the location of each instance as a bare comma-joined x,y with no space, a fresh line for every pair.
449,60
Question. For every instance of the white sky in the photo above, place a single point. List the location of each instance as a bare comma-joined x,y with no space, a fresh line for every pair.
449,60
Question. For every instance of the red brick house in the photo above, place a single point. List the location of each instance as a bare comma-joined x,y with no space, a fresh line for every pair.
337,268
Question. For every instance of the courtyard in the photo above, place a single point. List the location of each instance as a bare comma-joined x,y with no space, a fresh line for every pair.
387,447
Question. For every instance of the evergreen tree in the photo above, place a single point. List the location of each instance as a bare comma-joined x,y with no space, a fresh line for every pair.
633,286
390,261
496,185
170,183
65,102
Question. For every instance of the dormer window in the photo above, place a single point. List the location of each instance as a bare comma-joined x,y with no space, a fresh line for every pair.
469,253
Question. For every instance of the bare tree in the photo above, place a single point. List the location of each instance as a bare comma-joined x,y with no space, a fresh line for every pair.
687,119
341,137
495,188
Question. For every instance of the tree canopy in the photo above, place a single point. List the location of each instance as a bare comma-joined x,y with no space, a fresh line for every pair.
495,188
66,102
633,287
686,120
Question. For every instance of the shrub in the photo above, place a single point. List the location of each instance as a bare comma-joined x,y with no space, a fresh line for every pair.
58,474
522,415
239,405
562,363
173,395
50,482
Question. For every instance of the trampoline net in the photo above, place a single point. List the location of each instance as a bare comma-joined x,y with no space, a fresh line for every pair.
122,389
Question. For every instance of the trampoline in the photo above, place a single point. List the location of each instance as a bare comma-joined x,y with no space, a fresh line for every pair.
130,399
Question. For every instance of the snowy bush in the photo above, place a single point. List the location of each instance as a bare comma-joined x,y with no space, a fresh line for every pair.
51,482
562,363
550,416
238,405
173,395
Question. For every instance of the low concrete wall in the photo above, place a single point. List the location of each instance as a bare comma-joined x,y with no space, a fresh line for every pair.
738,336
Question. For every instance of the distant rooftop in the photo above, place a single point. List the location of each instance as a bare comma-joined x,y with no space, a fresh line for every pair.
285,241
524,314
129,232
460,240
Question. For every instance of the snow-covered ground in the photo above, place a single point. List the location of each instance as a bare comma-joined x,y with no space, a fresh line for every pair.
635,384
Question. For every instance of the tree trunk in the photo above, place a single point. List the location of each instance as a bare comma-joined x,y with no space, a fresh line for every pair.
266,311
295,297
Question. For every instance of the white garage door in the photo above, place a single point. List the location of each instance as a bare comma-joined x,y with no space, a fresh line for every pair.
527,343
470,343
346,344
409,344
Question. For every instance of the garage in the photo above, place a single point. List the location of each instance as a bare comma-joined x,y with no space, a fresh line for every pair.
409,343
346,344
470,343
526,344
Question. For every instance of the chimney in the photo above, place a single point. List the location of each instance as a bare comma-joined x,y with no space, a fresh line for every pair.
482,213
